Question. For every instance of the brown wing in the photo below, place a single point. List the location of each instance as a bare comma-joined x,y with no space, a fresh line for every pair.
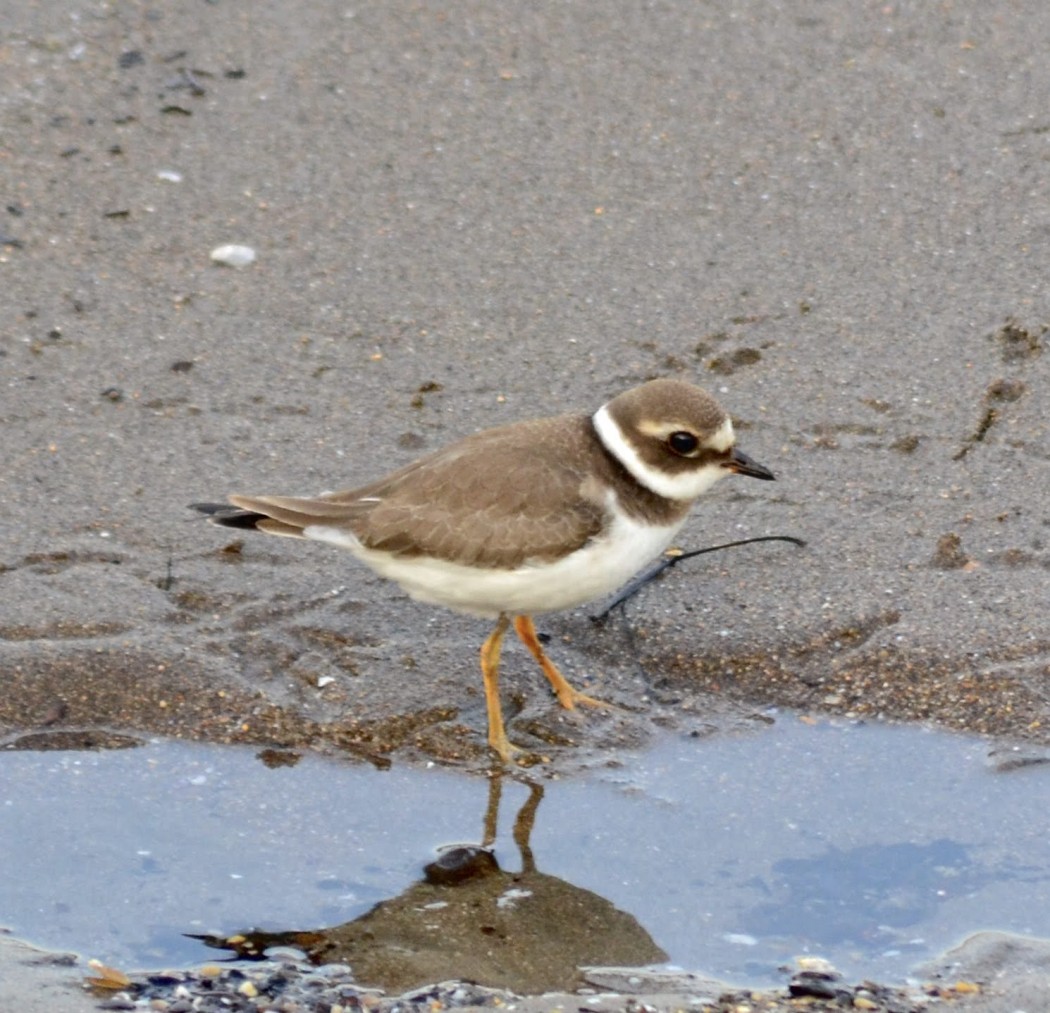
498,498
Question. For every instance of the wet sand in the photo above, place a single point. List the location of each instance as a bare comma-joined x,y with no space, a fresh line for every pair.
990,973
834,220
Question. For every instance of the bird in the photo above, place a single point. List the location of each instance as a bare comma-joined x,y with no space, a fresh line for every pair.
535,516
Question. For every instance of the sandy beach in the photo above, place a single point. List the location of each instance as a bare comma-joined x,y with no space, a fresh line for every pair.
835,220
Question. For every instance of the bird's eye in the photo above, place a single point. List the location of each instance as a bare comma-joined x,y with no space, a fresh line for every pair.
682,443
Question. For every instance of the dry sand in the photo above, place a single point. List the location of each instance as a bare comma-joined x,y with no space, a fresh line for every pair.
838,219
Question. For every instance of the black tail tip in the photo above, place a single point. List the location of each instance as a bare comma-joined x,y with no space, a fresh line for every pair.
227,516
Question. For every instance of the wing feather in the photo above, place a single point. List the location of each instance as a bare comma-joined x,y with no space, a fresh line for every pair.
502,498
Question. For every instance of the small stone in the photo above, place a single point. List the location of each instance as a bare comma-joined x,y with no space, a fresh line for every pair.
334,970
816,965
233,255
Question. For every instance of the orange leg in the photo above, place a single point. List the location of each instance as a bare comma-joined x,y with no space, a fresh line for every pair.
567,696
490,651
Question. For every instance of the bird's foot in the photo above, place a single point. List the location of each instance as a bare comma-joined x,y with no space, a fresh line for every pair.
503,747
569,698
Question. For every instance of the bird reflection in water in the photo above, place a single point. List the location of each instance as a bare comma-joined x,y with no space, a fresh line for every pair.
468,918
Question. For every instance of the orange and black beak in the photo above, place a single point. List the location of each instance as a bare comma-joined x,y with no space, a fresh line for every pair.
741,464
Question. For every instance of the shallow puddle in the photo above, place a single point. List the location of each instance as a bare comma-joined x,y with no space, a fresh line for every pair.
873,846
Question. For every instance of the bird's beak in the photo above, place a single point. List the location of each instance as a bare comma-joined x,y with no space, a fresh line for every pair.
741,464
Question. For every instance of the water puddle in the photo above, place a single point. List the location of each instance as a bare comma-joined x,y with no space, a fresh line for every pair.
874,846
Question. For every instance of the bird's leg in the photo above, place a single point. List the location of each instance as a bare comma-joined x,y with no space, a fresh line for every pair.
567,696
490,673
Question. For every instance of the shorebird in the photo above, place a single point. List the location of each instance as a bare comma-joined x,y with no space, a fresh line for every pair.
531,517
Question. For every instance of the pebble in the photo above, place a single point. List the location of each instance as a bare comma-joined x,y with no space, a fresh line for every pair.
293,985
233,255
285,986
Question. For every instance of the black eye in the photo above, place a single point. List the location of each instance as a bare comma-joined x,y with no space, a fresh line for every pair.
682,443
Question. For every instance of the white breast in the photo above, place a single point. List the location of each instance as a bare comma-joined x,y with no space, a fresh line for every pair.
597,569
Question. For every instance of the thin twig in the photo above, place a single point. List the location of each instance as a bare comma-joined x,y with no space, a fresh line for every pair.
672,558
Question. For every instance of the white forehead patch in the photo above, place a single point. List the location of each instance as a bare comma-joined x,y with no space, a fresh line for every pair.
723,437
683,485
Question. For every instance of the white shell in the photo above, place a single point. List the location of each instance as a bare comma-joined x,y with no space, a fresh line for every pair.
233,255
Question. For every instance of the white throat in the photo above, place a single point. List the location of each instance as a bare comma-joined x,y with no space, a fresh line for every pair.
685,485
